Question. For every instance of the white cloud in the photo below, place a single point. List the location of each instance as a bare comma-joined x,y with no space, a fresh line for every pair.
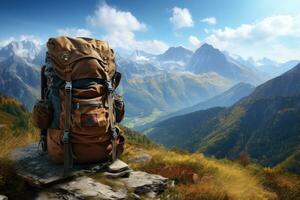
74,32
209,20
194,41
259,39
181,17
112,19
120,27
152,46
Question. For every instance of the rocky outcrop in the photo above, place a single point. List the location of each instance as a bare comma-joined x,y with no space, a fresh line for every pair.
83,188
112,182
136,185
144,183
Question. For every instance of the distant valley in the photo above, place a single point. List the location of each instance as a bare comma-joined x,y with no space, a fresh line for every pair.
225,99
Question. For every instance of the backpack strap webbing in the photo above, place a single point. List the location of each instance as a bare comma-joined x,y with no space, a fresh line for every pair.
114,136
68,155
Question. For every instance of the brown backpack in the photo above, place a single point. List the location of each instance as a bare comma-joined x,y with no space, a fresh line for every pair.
79,109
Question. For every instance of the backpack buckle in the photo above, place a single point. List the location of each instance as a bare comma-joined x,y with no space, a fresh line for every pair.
114,133
66,136
68,85
109,86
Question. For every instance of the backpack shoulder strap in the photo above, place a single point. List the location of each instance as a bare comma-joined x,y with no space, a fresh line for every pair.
114,136
42,146
68,155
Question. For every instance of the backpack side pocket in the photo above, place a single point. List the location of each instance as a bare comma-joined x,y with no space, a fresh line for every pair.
119,107
42,114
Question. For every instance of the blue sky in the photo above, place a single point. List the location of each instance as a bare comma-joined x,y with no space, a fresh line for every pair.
256,28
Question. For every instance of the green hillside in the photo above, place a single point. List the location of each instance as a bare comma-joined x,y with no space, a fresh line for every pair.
290,164
266,124
268,129
13,116
185,132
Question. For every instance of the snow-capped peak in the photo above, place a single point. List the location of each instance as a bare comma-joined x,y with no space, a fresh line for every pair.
25,48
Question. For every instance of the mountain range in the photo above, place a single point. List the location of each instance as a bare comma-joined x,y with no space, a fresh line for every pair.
152,85
265,124
267,67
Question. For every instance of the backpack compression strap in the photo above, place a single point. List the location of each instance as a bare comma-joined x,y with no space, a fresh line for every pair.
68,156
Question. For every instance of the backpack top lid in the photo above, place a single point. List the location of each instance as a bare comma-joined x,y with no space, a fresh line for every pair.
87,57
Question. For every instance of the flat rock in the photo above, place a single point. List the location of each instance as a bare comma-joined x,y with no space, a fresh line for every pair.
117,166
143,183
2,197
54,195
83,188
136,186
38,169
108,183
124,173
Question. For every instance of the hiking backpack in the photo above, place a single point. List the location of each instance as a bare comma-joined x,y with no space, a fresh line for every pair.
79,108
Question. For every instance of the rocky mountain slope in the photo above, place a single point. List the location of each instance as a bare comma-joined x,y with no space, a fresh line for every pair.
176,54
208,59
20,73
19,79
265,124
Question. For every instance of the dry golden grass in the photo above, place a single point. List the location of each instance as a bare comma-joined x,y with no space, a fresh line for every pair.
196,176
10,184
217,179
9,142
208,191
287,187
